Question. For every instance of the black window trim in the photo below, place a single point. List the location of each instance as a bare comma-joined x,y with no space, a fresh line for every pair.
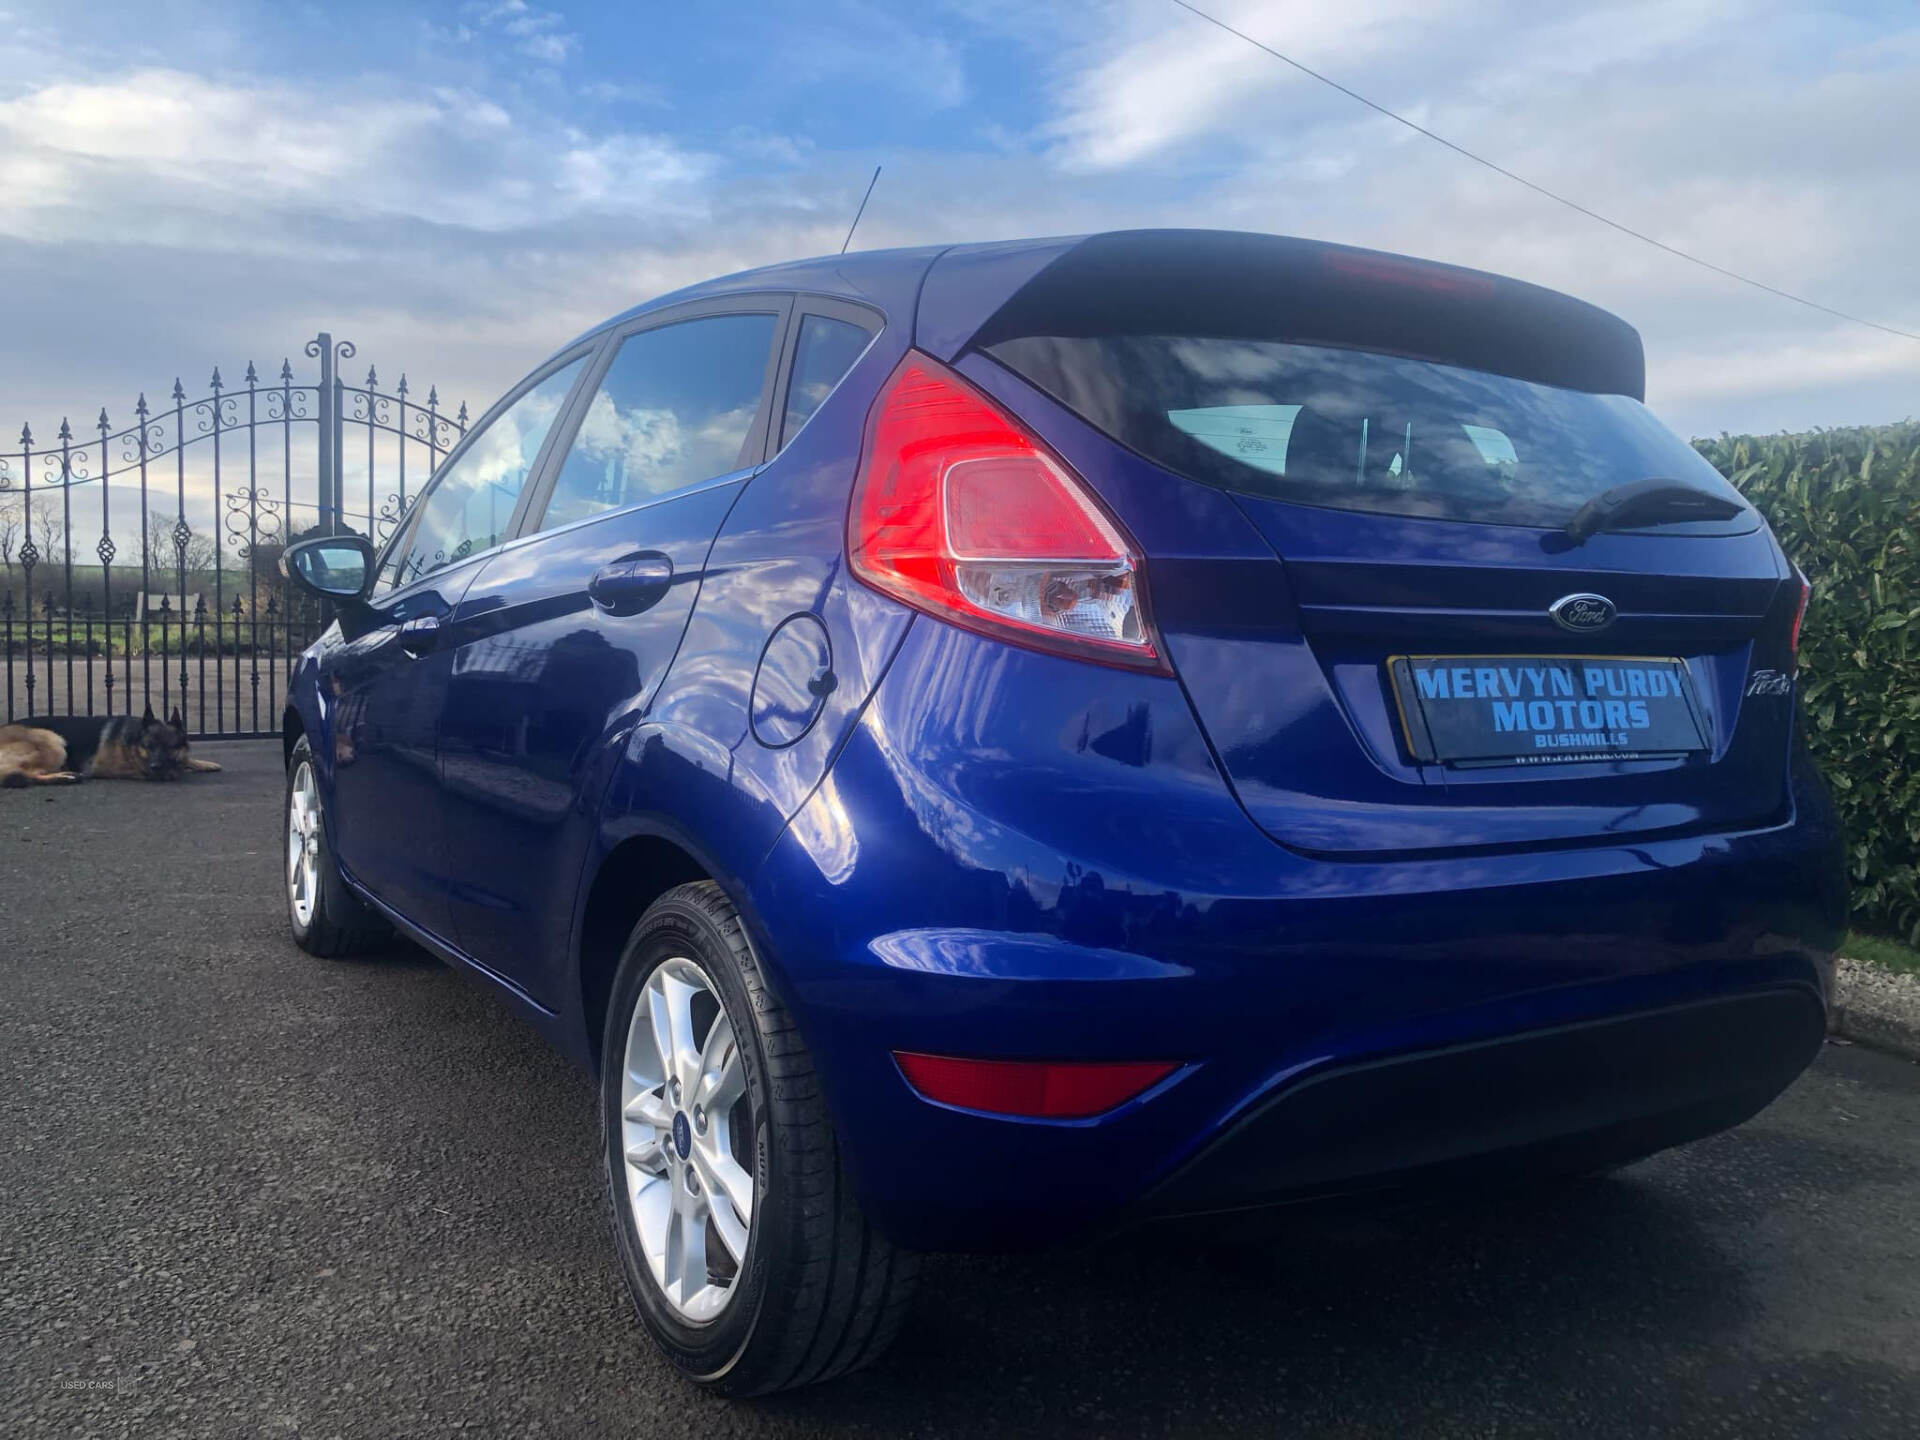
585,350
832,307
779,304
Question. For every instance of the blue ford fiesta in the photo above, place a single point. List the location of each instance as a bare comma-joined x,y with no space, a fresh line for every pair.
980,745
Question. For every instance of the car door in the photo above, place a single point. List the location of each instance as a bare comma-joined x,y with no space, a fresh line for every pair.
565,635
387,686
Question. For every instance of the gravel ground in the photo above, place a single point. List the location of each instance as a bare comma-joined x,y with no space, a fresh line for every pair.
247,1193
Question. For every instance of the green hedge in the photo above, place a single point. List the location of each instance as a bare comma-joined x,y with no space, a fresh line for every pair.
1846,505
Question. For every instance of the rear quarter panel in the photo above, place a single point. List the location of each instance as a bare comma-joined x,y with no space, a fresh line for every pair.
693,768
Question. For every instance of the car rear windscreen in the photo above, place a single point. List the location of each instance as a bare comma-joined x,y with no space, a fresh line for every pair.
1354,430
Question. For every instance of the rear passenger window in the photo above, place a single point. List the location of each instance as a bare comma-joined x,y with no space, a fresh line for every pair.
676,407
825,351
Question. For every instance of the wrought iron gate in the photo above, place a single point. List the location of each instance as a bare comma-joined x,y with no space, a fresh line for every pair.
206,493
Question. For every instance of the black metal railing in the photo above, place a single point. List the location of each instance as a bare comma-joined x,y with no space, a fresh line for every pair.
205,493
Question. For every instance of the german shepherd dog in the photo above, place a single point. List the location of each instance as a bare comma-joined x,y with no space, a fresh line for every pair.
66,750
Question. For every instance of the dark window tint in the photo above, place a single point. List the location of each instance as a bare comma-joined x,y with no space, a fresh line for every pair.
1359,431
825,351
473,499
676,407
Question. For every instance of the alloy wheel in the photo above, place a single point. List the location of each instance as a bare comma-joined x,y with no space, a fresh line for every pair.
303,844
687,1140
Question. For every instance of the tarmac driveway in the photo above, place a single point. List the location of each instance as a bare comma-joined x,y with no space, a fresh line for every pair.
244,1192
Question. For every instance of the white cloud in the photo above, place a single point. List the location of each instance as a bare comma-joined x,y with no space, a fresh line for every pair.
258,156
1158,76
538,34
1836,357
1733,129
873,46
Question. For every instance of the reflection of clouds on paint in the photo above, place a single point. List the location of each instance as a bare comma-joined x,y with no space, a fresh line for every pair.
825,831
1010,955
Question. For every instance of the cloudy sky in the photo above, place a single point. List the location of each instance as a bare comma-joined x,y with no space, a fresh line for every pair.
458,187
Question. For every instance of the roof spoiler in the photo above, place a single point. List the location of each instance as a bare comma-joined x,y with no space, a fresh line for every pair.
1232,285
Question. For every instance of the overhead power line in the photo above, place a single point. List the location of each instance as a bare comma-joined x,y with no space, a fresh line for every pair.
1555,196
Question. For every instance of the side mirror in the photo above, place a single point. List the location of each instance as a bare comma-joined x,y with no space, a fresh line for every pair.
334,567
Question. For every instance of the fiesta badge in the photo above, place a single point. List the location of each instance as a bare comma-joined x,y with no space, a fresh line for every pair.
1582,614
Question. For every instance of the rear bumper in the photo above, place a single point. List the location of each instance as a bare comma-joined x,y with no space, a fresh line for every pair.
1566,1099
1339,1025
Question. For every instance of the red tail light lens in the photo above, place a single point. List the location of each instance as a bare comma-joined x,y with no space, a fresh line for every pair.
1043,1089
1800,612
959,512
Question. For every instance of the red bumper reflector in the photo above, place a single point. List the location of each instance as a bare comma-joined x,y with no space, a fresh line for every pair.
1046,1089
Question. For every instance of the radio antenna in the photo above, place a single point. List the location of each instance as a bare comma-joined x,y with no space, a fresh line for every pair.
861,211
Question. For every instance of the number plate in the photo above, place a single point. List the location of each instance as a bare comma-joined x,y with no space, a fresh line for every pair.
1545,709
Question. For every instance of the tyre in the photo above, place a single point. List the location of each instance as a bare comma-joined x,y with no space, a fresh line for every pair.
327,918
745,1251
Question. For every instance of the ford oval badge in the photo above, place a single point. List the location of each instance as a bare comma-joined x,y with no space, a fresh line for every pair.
1582,614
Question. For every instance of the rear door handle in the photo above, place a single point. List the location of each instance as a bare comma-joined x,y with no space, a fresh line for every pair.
637,580
420,634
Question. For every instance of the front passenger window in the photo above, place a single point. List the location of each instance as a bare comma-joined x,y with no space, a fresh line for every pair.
473,499
677,407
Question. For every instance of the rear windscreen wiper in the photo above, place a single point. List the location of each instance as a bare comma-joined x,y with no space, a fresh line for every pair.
1647,502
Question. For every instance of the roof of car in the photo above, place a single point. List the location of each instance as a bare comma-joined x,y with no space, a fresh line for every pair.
954,293
853,275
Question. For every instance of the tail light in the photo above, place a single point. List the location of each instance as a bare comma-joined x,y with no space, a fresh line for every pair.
1799,612
960,512
1041,1089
